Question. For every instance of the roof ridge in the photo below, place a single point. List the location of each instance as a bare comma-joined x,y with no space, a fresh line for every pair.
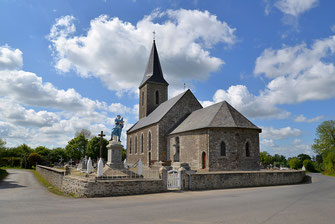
211,123
231,114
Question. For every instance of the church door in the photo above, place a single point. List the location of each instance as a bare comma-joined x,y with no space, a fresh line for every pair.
203,160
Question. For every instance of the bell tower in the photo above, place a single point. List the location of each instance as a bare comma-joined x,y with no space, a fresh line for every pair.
153,88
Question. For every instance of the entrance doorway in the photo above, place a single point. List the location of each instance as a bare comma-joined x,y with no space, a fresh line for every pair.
203,160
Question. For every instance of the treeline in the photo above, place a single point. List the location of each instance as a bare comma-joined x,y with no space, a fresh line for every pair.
277,161
83,144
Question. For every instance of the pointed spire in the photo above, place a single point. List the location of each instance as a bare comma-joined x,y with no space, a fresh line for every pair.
153,72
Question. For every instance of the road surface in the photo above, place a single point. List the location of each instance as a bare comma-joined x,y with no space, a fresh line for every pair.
23,201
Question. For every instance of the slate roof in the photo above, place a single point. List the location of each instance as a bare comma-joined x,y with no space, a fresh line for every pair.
156,115
220,115
153,72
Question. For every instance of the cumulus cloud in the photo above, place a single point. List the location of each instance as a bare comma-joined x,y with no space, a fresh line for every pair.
23,94
10,59
116,51
281,133
302,118
299,73
295,7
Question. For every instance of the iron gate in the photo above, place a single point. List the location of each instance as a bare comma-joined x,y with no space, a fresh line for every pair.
173,180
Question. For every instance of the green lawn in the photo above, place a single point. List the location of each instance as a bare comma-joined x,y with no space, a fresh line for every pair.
328,173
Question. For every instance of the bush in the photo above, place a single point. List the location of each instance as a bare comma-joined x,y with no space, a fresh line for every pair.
34,158
294,163
11,161
308,164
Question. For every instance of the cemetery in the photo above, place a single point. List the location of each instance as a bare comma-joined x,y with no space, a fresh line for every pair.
175,145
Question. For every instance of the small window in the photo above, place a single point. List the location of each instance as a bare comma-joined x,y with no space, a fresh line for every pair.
135,144
142,143
247,149
157,97
149,141
142,100
223,149
130,145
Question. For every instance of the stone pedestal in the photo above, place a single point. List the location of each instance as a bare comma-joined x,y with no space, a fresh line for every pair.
114,159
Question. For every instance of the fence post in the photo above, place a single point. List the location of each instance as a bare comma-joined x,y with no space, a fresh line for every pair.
181,174
163,175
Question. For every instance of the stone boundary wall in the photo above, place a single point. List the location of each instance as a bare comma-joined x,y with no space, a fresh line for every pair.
52,175
220,180
105,188
82,187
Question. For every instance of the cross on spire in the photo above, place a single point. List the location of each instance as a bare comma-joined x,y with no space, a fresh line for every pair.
101,135
154,35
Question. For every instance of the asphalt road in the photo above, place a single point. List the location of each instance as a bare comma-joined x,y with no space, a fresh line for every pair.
23,200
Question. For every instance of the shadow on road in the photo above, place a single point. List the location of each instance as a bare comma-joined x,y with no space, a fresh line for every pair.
6,183
307,180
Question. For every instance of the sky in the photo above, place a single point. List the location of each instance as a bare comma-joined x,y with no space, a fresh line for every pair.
72,65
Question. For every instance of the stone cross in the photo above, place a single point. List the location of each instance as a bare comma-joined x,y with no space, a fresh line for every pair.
101,137
60,161
70,161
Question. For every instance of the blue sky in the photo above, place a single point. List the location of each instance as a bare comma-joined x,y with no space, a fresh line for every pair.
69,65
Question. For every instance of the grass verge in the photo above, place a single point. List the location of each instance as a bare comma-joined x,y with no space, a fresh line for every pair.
50,187
328,173
3,174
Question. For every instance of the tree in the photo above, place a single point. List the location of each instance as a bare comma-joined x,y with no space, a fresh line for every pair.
34,158
2,143
265,158
294,163
304,157
76,147
325,140
87,134
329,161
57,154
43,151
93,148
308,164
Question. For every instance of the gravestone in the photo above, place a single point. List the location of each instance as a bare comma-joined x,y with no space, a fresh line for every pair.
84,164
100,168
89,166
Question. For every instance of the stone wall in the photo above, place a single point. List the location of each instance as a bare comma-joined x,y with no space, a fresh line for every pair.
178,113
53,176
134,157
235,140
221,180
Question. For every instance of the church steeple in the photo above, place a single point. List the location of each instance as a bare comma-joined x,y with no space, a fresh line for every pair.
153,88
153,72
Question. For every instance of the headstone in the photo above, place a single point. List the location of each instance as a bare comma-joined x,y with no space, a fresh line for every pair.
140,167
100,168
84,164
303,168
89,166
125,165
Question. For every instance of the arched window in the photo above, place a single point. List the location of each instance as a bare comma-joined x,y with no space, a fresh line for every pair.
142,100
177,150
247,149
157,97
130,145
223,149
135,144
149,141
142,143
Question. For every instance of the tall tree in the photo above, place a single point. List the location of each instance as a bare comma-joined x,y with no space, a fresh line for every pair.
76,147
93,148
325,141
57,154
86,133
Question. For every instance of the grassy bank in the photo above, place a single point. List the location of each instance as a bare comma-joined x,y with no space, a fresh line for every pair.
3,174
327,173
49,186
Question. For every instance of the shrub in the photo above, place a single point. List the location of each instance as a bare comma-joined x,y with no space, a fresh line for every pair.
34,158
11,161
308,164
294,163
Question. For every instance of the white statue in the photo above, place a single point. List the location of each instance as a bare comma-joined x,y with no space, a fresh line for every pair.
89,165
100,168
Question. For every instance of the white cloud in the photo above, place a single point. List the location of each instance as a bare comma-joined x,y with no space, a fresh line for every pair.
332,28
10,59
117,51
21,93
247,103
282,133
267,142
295,7
302,118
299,73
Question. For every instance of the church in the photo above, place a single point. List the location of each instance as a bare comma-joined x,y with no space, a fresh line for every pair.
180,131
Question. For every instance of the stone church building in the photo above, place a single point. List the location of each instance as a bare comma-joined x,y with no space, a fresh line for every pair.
180,131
